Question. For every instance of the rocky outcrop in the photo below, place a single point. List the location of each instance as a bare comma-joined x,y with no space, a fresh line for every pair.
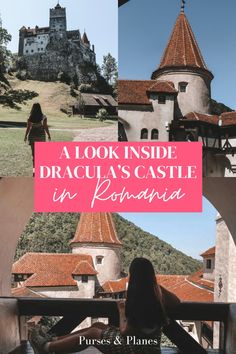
63,60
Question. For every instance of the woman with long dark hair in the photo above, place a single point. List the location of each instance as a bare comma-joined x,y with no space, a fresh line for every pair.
142,317
37,127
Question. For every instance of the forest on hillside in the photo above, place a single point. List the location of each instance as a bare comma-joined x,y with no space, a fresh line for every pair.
51,232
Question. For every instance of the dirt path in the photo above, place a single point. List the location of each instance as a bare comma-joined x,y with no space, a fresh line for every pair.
98,134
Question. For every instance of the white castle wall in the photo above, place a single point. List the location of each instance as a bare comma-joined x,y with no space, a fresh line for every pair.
225,264
83,290
159,118
209,274
198,93
110,268
36,44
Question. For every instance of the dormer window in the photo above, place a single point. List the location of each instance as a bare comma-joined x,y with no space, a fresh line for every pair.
153,96
84,278
208,264
161,99
183,86
99,259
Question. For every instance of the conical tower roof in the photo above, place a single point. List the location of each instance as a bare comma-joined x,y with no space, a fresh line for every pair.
96,228
85,38
182,50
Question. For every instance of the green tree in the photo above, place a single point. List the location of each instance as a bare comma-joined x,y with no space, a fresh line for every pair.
5,54
109,68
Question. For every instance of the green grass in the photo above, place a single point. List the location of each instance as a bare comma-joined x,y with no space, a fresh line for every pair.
52,96
55,120
15,158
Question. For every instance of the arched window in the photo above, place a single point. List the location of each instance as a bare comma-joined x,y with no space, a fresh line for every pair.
155,134
144,133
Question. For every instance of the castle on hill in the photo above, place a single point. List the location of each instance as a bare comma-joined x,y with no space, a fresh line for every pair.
49,53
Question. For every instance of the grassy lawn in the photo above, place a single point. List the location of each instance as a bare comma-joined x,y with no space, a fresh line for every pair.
55,120
51,96
15,158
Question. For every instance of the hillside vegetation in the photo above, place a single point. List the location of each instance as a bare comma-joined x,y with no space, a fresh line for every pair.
51,233
51,95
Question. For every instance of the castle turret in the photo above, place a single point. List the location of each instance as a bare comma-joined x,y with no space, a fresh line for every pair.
22,32
183,64
85,39
57,24
96,235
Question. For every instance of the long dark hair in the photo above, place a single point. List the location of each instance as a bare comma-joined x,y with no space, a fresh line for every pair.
36,114
144,307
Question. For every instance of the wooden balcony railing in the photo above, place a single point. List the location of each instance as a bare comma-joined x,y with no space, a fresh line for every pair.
74,311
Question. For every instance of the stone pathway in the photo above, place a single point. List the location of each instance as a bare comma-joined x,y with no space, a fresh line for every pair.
98,134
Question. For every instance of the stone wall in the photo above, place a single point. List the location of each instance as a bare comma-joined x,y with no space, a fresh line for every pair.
9,326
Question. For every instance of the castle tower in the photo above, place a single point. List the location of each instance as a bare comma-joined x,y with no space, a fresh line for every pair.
96,235
57,24
183,64
21,41
225,266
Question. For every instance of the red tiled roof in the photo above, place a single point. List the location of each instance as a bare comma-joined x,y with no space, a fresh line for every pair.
84,268
210,252
22,291
163,86
96,228
178,284
52,269
197,278
135,91
228,118
208,118
85,38
115,286
184,289
35,30
182,49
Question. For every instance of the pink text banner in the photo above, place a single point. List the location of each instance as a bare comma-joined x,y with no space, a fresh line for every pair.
118,177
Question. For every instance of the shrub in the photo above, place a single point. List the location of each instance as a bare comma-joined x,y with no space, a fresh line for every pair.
86,88
102,114
63,77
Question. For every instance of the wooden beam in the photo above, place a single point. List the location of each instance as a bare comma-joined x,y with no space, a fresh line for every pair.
182,339
108,308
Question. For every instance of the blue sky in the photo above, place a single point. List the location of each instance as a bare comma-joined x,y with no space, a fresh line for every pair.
191,233
145,27
98,17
